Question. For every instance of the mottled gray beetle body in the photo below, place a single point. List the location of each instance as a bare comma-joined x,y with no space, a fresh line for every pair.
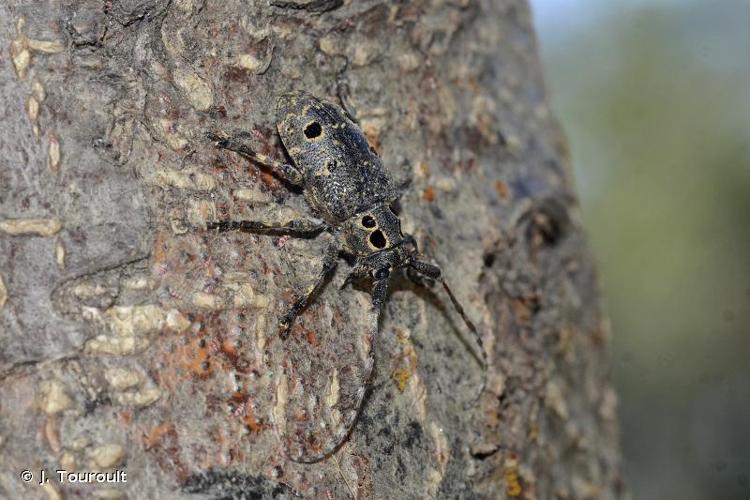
342,175
345,184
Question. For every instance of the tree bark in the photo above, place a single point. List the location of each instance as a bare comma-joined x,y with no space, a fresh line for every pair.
133,339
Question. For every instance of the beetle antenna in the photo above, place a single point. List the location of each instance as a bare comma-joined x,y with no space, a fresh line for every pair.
434,272
470,325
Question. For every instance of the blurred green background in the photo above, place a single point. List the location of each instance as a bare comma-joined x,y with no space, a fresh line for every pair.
655,99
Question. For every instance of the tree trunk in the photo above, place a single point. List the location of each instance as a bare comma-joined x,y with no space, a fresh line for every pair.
133,339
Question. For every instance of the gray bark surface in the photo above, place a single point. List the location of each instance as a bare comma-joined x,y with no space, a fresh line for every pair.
132,339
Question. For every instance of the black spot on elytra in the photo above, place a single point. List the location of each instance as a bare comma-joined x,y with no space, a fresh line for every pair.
313,130
377,238
368,222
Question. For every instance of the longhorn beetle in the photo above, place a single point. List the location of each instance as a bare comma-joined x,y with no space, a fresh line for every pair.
348,190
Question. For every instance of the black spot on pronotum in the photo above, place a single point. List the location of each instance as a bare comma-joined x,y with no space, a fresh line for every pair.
377,238
313,130
368,222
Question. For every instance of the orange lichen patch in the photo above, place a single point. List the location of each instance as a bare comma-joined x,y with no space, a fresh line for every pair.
244,408
373,136
406,362
125,417
503,191
311,338
182,361
401,376
512,482
229,347
251,422
154,437
428,194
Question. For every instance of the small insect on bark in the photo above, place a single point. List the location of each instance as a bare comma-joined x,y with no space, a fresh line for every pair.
350,195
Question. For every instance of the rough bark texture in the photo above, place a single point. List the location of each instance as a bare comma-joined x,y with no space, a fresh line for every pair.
132,339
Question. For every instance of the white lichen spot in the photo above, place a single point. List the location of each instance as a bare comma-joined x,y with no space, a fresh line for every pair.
68,461
52,434
53,153
201,211
249,62
138,399
244,295
197,90
32,109
52,397
363,53
121,378
129,327
3,293
261,301
135,320
31,227
109,494
514,144
22,46
208,301
252,196
408,61
186,5
60,255
19,51
252,63
442,454
189,179
279,409
46,46
38,90
554,398
418,392
174,139
84,290
332,397
176,321
21,57
107,455
257,32
330,45
260,337
116,345
139,283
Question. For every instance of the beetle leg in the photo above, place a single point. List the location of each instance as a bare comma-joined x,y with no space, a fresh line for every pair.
301,228
240,144
329,264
